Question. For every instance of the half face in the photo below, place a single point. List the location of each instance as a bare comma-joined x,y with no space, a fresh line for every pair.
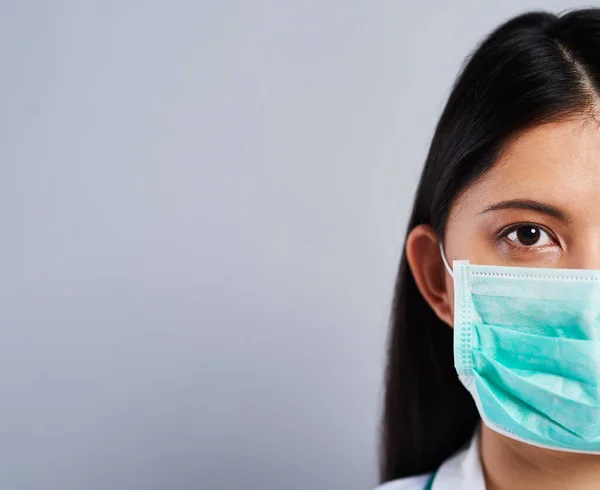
539,206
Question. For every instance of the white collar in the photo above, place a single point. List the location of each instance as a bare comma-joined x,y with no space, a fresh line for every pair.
463,470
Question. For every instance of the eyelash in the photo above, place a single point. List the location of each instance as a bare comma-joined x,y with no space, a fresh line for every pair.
516,226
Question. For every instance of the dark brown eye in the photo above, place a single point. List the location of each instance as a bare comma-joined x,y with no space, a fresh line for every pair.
529,236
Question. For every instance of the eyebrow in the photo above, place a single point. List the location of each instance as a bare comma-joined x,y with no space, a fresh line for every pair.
529,205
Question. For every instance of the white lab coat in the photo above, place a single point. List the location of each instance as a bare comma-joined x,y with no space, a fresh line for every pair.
462,471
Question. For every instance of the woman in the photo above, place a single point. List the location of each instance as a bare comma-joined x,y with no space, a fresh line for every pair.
496,315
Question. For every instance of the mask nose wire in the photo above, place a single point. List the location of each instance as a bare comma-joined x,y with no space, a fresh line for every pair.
448,268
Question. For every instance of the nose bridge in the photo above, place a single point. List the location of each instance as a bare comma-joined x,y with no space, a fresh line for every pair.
588,253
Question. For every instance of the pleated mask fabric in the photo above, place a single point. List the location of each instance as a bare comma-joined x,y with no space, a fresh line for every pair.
527,348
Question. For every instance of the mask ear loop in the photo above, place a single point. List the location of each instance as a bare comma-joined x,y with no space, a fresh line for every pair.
448,268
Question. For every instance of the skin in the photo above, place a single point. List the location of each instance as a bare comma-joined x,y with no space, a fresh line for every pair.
557,166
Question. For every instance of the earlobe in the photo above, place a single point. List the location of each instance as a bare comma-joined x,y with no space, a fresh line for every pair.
427,266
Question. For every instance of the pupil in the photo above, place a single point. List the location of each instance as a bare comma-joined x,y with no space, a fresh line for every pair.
528,235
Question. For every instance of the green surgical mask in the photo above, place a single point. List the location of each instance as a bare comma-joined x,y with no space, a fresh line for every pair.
527,348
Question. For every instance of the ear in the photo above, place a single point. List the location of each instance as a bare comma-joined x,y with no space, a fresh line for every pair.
425,261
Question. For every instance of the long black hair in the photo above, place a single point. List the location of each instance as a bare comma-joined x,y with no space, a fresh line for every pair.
535,68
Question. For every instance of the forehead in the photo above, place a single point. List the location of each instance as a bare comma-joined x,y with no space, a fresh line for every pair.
555,163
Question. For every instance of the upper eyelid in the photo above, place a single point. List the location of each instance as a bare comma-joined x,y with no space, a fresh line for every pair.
516,226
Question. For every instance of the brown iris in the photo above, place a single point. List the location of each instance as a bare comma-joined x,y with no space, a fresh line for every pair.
528,235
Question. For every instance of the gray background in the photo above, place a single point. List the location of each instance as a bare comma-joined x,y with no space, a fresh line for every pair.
202,207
